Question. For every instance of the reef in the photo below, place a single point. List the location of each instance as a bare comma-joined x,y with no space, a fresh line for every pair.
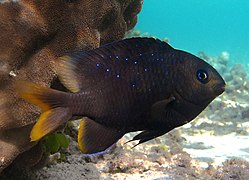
210,147
33,34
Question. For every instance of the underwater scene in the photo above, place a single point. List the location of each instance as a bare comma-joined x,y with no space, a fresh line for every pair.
124,89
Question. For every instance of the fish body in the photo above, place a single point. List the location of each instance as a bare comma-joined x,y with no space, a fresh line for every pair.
137,84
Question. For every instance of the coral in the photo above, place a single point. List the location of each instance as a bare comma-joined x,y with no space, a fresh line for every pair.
32,35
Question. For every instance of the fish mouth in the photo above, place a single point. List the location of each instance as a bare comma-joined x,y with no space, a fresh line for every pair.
220,88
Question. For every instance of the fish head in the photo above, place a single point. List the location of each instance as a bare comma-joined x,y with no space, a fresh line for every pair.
199,83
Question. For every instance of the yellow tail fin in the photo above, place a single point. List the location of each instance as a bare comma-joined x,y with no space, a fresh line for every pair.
51,102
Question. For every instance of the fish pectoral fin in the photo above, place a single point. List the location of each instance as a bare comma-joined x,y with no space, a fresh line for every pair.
160,106
96,138
49,121
146,136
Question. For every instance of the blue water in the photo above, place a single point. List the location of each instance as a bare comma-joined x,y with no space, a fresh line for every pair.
211,26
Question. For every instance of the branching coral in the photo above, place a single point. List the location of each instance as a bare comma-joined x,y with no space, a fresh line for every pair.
33,34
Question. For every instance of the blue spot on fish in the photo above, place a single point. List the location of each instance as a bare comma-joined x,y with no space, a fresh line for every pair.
118,75
97,64
145,69
126,59
135,62
117,57
107,70
152,54
140,54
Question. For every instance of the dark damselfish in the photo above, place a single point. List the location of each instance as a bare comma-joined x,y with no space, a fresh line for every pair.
137,84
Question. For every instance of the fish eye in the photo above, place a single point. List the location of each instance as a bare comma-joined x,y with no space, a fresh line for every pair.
202,76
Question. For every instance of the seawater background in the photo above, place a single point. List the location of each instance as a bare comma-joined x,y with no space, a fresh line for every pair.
200,25
213,26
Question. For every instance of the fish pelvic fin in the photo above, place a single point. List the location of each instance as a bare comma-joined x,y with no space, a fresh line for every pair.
52,104
94,138
146,135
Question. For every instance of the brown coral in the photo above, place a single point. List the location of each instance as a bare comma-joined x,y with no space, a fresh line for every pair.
32,35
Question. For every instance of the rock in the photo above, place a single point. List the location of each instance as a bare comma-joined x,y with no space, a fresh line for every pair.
224,58
232,169
219,62
238,70
33,35
228,77
245,113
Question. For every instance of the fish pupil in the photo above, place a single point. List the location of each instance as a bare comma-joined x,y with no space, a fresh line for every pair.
202,76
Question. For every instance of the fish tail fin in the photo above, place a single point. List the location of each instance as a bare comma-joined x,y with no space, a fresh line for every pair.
51,102
94,138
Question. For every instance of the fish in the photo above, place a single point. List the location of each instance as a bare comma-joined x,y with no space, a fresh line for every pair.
135,84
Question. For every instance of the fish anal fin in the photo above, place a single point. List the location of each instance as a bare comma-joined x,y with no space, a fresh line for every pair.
49,121
95,138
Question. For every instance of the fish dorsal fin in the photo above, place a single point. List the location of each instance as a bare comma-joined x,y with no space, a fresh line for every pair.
81,69
136,46
143,43
67,73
